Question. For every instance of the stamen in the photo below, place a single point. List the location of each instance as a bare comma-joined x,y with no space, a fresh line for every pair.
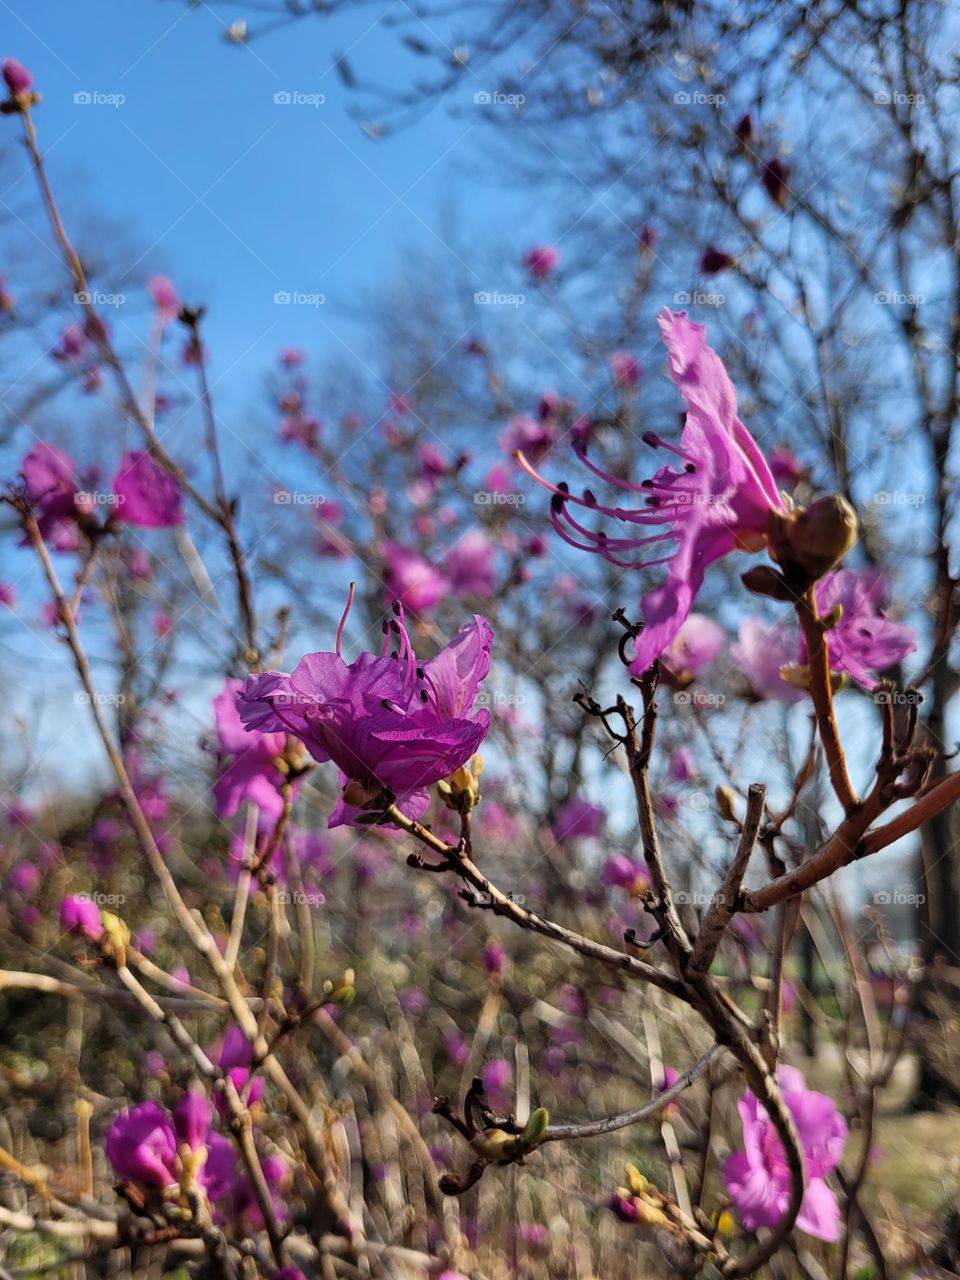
344,615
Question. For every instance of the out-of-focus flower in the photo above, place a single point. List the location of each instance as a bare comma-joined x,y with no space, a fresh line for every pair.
52,489
292,357
235,1057
695,645
410,579
16,77
249,772
541,261
682,765
147,495
761,651
191,1119
578,819
81,916
142,1146
391,723
494,958
626,368
623,872
528,436
864,640
787,471
164,297
719,502
469,565
758,1178
8,595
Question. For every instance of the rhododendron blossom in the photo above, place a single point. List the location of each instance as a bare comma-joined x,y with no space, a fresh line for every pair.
718,502
251,773
758,1178
391,723
863,640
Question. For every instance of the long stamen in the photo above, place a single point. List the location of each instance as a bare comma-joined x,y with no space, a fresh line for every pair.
658,442
344,615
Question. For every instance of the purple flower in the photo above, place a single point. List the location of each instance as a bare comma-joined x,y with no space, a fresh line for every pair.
761,651
626,368
251,774
51,489
191,1119
16,76
147,496
718,502
864,640
80,916
577,819
235,1056
469,566
623,872
786,469
219,1172
758,1178
164,297
695,645
390,722
142,1147
682,765
494,958
541,261
410,579
526,435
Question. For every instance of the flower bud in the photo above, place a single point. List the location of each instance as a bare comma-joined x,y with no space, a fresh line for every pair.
81,917
809,542
17,78
494,1144
536,1127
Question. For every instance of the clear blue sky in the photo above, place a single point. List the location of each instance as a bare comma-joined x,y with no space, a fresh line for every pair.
234,195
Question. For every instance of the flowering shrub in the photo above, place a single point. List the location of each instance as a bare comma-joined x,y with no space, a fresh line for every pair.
293,1091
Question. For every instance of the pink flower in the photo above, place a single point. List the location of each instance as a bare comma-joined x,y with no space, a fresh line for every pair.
8,595
528,436
494,958
52,490
787,471
623,872
718,502
761,651
142,1147
235,1057
626,368
390,722
864,640
191,1119
682,765
758,1178
164,297
147,495
16,76
410,579
541,261
469,566
291,357
248,760
695,645
578,819
80,916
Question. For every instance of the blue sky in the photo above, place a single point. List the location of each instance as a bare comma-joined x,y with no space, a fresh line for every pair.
235,195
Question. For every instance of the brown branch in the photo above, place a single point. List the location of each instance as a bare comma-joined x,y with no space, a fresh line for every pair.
818,662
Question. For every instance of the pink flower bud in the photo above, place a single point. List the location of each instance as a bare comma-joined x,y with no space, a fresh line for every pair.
18,78
80,916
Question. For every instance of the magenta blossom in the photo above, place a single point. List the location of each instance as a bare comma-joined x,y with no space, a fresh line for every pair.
52,488
626,368
164,297
142,1146
864,640
469,566
718,502
623,872
191,1120
758,1178
235,1057
578,819
528,436
410,579
147,496
81,916
252,774
761,652
541,261
391,723
695,645
16,77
